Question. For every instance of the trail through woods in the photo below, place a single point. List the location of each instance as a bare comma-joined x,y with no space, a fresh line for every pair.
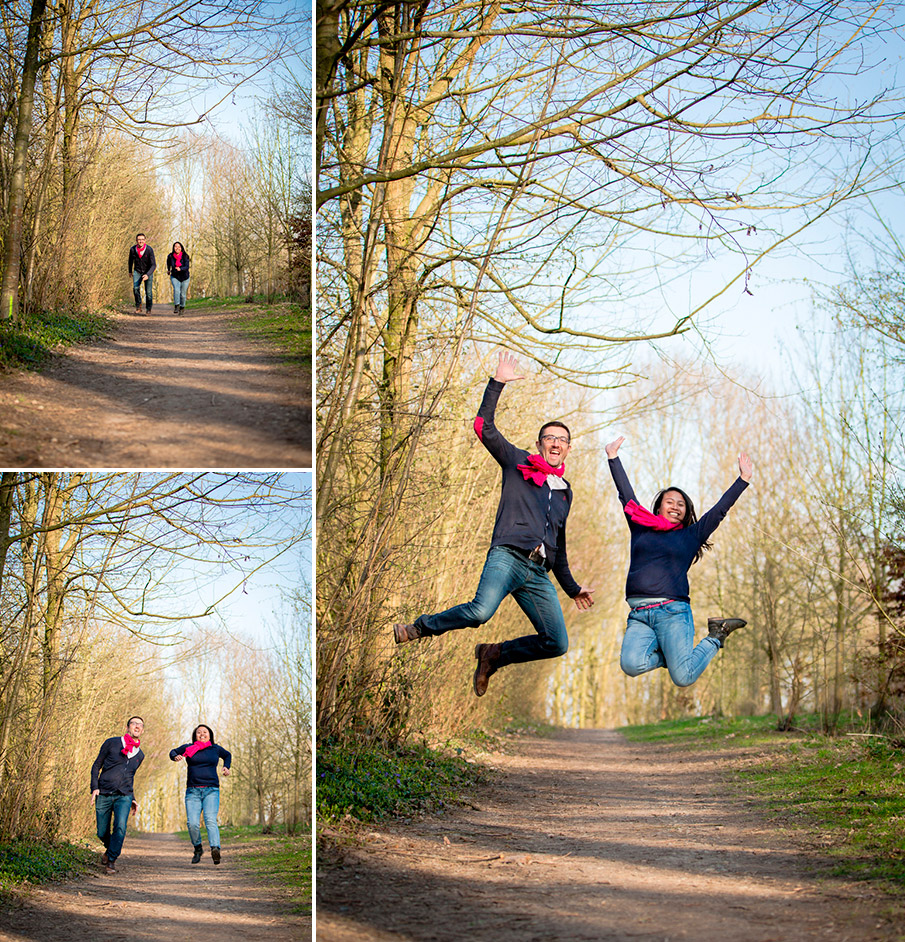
588,837
166,391
157,896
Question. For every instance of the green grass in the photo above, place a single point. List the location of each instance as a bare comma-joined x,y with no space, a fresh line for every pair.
28,862
843,794
284,326
28,343
707,731
286,860
367,783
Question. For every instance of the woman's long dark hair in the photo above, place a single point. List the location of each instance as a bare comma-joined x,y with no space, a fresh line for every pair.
689,518
185,252
195,732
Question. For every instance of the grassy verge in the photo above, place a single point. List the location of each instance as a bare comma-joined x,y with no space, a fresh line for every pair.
29,342
370,783
282,860
844,794
286,860
283,325
25,863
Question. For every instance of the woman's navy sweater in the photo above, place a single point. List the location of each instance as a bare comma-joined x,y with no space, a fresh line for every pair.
202,765
183,273
660,559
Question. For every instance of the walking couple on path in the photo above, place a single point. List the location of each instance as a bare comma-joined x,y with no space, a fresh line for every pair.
142,265
529,542
112,788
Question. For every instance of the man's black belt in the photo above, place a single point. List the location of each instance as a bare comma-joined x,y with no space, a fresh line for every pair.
534,555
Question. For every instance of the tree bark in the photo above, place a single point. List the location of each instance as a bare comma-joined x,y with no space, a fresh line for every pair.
12,250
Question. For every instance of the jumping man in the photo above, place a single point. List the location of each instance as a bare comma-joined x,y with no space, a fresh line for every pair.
529,541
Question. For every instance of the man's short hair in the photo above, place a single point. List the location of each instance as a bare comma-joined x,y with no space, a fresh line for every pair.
547,425
137,234
140,720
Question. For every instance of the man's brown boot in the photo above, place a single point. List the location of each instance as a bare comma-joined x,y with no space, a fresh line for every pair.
403,633
488,655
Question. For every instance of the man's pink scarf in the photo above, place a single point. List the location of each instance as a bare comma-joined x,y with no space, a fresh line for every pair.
196,747
130,744
141,250
537,470
643,517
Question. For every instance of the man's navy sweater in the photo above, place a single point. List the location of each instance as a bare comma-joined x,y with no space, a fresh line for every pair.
660,559
202,765
527,515
145,263
112,773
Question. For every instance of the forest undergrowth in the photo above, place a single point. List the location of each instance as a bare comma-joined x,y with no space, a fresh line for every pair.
358,782
29,342
26,863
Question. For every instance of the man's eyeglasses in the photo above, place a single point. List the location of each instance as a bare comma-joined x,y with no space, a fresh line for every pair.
562,439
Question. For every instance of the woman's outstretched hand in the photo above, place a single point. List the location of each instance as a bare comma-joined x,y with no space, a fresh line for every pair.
745,467
507,369
613,448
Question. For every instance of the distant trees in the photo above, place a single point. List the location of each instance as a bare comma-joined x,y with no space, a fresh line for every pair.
246,209
267,718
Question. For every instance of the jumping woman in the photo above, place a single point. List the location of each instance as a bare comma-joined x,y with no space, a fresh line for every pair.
664,545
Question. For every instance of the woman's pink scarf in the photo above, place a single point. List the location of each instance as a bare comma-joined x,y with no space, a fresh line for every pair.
130,744
177,259
196,747
537,470
643,517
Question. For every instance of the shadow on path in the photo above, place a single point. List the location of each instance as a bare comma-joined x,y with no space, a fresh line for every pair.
156,896
587,837
167,392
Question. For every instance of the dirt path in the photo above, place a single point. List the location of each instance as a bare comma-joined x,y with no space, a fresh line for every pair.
157,896
166,392
587,837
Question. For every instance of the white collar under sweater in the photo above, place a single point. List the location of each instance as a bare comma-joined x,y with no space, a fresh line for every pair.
134,751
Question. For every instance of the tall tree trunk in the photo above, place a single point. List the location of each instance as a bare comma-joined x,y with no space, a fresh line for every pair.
12,250
7,488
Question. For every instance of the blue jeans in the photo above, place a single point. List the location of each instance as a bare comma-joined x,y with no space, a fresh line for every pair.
664,637
509,572
207,800
115,807
136,289
180,289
